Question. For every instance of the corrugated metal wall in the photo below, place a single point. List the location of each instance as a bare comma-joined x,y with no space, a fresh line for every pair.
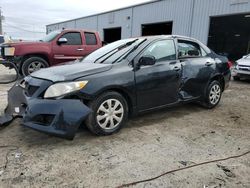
89,23
204,9
115,19
176,11
189,17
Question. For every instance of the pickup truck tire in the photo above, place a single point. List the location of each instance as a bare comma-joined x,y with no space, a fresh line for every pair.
213,95
110,112
33,64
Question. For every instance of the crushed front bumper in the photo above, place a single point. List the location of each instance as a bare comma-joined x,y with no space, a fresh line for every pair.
59,117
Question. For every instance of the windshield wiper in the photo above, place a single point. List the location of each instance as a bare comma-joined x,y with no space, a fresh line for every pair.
115,50
130,51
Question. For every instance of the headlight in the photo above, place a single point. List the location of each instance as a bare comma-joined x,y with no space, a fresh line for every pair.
60,89
236,66
9,51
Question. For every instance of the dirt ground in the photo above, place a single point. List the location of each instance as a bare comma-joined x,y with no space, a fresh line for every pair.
147,146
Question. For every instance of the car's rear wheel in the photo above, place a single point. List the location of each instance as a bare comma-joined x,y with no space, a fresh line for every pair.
213,94
33,64
110,112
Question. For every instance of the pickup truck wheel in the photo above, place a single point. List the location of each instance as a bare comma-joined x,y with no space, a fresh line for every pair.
213,95
110,112
33,64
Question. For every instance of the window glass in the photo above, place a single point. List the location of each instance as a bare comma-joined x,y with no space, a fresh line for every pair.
51,36
162,50
90,38
203,53
73,38
1,39
189,49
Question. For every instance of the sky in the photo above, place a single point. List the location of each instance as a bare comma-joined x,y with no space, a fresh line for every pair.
27,19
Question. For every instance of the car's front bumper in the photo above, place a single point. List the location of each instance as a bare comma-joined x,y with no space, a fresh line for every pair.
241,73
59,117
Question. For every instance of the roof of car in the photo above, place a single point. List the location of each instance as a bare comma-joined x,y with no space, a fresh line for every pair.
167,36
77,30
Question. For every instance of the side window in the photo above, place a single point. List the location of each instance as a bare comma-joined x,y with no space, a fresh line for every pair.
203,53
189,49
73,38
90,38
162,50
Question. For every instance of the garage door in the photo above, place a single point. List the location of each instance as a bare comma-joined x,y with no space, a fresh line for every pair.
230,35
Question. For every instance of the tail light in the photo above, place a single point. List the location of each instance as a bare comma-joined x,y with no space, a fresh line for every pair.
229,64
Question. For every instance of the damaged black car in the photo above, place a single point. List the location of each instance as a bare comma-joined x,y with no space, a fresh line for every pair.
121,79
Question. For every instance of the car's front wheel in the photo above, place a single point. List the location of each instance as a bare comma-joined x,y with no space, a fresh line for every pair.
110,112
213,94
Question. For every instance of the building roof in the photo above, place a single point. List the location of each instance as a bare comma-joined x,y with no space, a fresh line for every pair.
127,7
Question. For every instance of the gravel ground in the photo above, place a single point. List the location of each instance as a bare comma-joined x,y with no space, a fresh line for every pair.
147,146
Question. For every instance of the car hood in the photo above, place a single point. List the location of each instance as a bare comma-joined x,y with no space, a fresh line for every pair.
244,62
17,44
71,71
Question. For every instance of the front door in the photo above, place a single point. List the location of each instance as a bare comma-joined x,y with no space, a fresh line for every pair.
69,51
158,85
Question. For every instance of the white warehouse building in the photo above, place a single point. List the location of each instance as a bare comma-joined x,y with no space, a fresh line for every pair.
224,25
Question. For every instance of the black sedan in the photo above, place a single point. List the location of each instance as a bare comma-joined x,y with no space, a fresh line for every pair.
124,78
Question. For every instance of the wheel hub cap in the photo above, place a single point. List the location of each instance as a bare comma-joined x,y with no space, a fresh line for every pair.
214,95
110,114
35,66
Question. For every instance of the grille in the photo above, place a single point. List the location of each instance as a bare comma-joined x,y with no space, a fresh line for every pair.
43,119
244,68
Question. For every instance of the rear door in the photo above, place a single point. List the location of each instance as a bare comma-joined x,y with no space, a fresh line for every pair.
73,49
158,85
91,42
197,68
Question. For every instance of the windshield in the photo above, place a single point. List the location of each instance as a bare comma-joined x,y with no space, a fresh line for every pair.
112,52
50,36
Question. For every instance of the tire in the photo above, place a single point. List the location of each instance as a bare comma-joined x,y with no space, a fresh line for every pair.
34,63
236,78
101,109
213,95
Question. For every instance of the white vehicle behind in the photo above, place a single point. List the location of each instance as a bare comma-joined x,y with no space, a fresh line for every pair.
242,68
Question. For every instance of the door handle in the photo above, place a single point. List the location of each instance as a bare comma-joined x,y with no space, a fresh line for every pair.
172,63
209,63
80,49
176,68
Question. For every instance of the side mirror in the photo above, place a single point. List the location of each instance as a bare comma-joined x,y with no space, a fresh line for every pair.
62,41
244,56
146,60
8,72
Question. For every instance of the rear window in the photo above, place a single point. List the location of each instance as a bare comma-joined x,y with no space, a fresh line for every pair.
90,38
1,39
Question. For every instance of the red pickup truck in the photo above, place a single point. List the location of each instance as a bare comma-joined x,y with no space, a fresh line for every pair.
57,47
